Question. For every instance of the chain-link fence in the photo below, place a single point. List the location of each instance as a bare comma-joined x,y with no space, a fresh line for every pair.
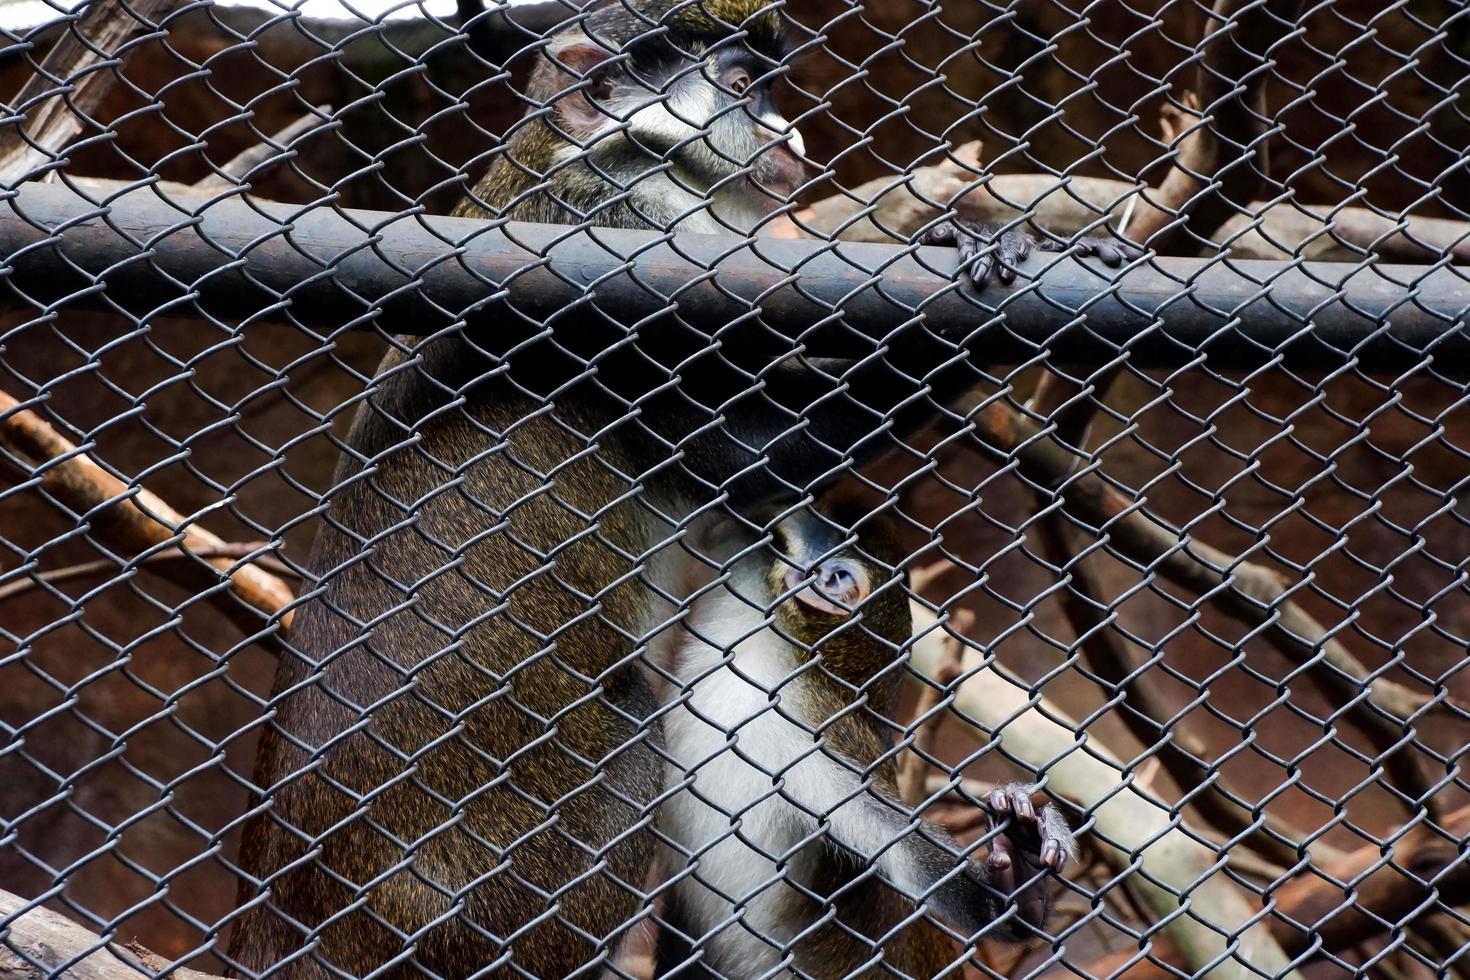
731,487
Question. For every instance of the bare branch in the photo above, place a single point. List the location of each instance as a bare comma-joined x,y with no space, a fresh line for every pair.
1339,905
1037,734
889,210
250,163
38,942
1351,900
926,720
1148,716
1221,160
134,518
68,87
1246,590
892,209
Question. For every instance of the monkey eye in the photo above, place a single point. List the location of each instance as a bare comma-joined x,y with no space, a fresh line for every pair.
737,81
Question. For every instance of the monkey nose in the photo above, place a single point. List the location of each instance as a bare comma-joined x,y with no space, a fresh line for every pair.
776,129
797,144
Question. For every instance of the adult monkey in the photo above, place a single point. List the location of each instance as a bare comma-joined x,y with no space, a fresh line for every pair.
464,760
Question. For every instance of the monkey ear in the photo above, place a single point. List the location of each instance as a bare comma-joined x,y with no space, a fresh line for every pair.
581,59
839,585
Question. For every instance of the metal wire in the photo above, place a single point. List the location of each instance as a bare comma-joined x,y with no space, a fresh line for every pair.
1169,527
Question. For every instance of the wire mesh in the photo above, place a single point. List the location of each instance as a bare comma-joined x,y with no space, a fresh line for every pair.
537,492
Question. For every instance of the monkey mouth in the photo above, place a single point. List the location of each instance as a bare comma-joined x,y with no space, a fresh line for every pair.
781,171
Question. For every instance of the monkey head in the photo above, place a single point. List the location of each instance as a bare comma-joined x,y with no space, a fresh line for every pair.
840,594
664,105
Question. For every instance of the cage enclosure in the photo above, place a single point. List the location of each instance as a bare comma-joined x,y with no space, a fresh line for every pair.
734,488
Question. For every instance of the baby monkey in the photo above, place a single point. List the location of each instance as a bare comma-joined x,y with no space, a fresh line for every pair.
796,853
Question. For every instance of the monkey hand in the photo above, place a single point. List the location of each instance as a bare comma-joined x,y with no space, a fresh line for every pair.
985,249
1029,846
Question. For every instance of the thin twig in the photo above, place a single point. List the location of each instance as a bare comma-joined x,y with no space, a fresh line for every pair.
1241,588
106,566
1023,726
1339,906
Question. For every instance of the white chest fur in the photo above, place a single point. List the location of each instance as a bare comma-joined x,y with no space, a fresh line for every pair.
754,781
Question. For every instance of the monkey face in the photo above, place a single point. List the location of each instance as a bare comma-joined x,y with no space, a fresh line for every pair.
747,131
696,124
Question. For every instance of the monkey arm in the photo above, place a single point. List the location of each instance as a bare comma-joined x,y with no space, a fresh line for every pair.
1007,896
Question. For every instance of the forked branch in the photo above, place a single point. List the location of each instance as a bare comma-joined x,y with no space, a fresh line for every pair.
1221,159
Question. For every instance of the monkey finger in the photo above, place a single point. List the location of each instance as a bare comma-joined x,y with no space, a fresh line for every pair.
1057,841
981,268
944,234
1110,255
1000,858
1000,865
1021,804
972,263
969,246
1015,248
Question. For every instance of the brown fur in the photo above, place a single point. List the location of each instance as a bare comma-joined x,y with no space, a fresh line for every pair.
459,774
492,652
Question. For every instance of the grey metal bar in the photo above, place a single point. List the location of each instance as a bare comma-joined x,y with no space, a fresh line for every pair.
244,261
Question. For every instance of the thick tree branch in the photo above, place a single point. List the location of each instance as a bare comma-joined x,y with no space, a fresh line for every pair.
38,942
926,720
1147,716
1221,160
1036,734
1339,905
59,100
890,210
